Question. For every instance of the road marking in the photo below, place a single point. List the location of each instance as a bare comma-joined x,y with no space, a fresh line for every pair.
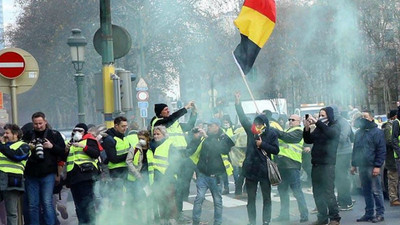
187,206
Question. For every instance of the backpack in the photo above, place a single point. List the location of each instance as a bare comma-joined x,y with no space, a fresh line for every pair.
387,130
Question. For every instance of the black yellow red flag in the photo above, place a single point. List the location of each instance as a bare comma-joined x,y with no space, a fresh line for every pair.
256,21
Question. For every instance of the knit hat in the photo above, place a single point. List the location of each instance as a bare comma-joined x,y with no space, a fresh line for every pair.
83,126
392,113
158,108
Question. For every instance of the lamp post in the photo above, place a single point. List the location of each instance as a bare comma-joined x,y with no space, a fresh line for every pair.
77,45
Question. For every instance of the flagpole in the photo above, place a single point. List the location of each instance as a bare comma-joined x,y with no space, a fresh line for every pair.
245,82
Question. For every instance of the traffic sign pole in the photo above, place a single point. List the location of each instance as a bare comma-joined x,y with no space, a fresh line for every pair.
14,104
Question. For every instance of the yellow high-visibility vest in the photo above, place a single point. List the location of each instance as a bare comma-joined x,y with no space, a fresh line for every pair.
196,156
175,133
133,139
122,147
77,156
9,166
161,154
275,125
150,161
291,150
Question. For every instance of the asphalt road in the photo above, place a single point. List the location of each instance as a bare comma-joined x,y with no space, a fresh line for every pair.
234,211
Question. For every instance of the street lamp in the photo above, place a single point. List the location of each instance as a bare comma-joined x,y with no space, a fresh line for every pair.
77,45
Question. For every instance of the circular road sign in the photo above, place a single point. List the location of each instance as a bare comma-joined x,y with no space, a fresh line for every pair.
27,79
142,96
12,64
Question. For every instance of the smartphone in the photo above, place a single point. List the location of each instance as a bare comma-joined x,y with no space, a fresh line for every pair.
307,115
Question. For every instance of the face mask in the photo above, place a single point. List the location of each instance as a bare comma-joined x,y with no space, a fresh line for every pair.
77,136
142,142
323,119
256,130
363,123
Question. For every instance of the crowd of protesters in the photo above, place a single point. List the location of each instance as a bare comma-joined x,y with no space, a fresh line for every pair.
145,174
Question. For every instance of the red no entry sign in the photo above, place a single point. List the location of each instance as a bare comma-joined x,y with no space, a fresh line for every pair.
12,65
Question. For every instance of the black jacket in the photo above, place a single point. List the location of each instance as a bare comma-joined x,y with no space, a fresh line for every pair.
210,161
325,140
168,121
255,163
369,146
36,167
109,146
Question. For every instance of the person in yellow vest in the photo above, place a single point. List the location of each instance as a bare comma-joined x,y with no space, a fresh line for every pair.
226,126
390,161
165,169
117,146
83,150
176,132
210,147
289,164
140,177
13,156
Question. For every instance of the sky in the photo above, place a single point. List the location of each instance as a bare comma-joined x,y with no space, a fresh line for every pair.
9,12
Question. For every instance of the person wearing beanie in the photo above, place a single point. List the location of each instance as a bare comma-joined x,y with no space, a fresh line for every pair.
176,132
83,150
390,161
325,140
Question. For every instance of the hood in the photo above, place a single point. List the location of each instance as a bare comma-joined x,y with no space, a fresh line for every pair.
262,118
330,114
112,132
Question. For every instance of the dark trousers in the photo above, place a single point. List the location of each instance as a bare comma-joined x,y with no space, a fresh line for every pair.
342,179
239,179
323,177
251,187
185,175
83,196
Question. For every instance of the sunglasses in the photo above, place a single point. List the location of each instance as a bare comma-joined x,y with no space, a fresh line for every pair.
291,120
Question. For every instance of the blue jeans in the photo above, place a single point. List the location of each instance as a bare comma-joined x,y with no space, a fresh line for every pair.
203,183
40,193
372,191
291,178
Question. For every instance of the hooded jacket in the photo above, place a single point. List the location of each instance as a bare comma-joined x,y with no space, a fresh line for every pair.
369,146
346,133
325,140
255,163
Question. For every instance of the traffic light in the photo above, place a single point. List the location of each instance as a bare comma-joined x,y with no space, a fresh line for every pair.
126,78
117,93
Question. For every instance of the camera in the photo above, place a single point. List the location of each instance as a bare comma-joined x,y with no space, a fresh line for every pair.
307,115
38,142
195,130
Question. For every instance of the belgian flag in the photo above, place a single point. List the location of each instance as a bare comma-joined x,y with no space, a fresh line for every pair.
256,22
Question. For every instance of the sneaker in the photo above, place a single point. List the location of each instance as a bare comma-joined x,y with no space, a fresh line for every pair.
365,219
225,192
314,211
334,222
395,203
378,219
346,207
